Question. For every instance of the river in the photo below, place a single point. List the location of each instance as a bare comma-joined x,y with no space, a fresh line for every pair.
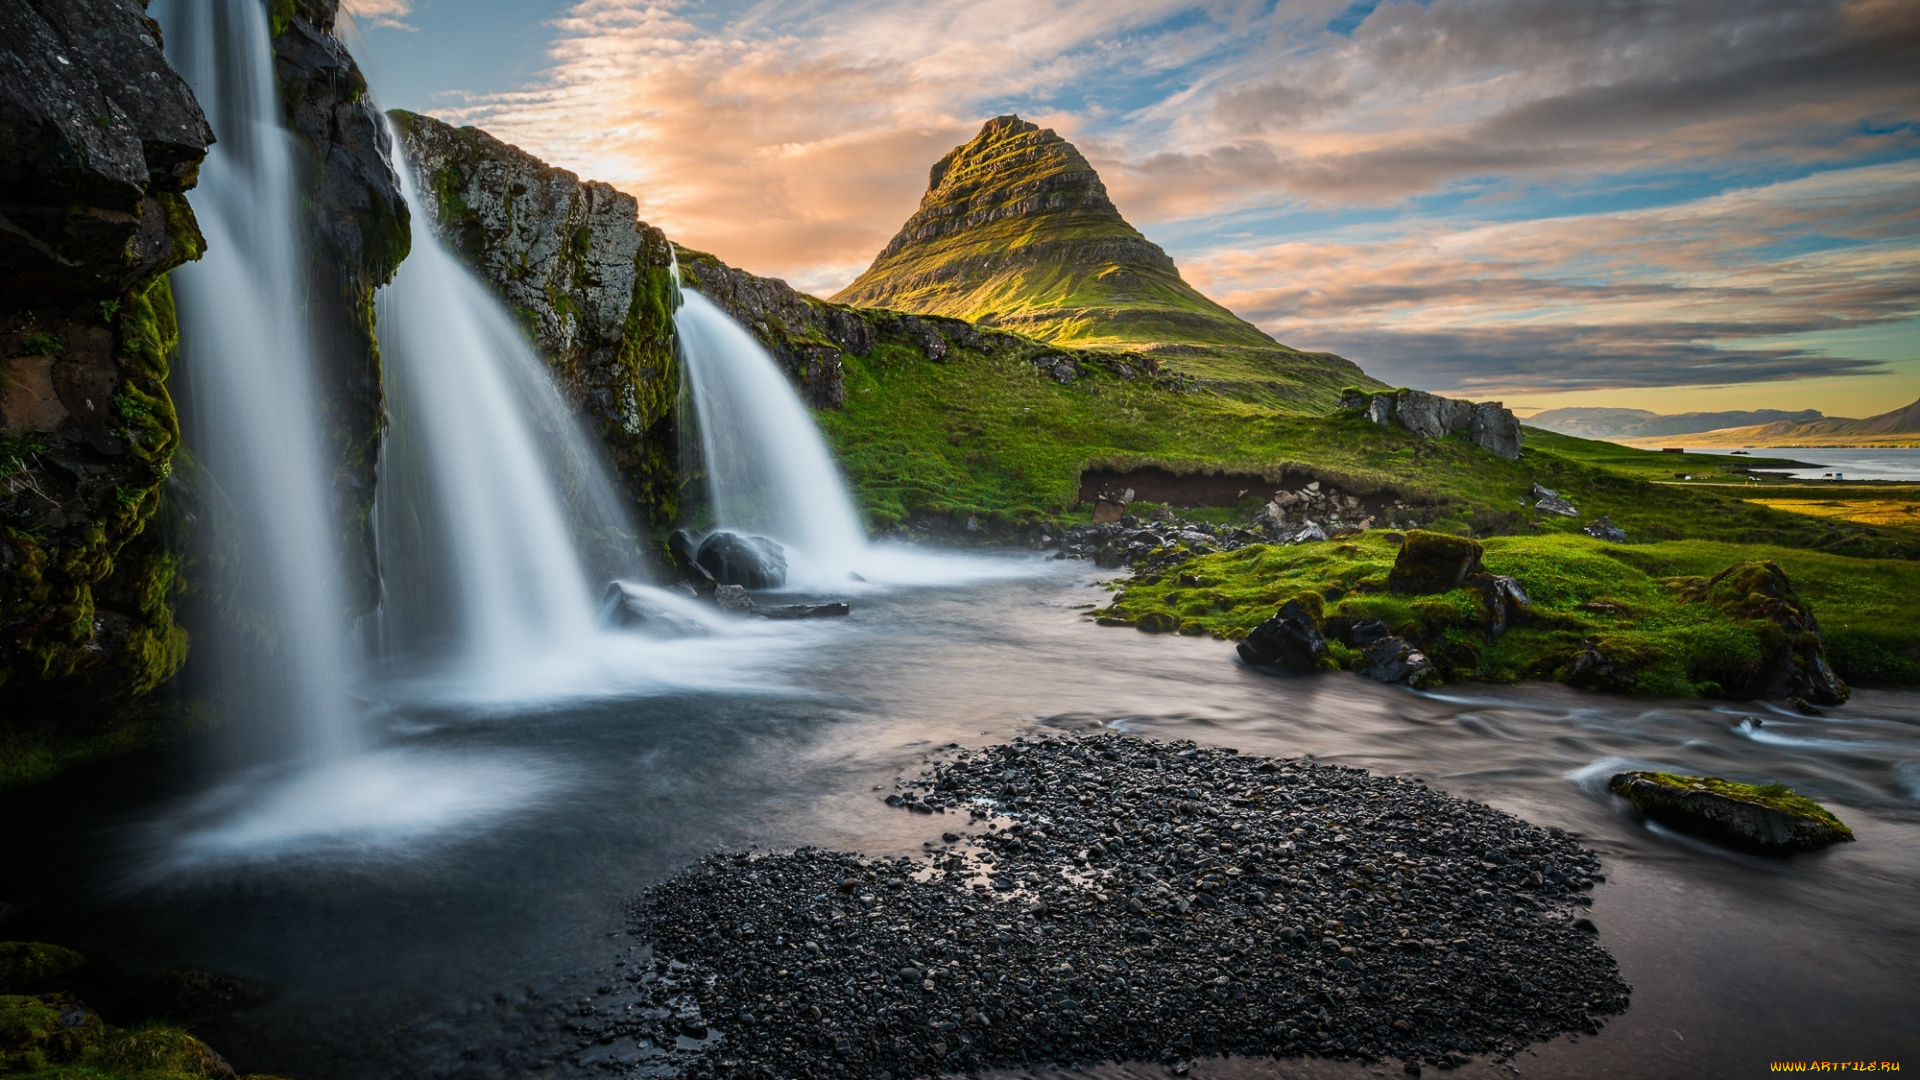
475,881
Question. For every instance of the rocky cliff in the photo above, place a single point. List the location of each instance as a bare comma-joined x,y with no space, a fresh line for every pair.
587,278
1017,231
358,231
99,139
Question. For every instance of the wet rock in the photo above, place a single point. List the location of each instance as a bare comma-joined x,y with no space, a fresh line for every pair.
1149,902
1395,660
831,610
630,608
1592,669
1605,529
1549,501
733,598
1290,641
1433,563
754,562
1771,818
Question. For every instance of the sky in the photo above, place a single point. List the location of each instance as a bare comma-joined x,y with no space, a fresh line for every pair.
1688,205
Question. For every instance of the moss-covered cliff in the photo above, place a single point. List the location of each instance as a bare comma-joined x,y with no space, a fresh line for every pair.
99,139
1016,231
589,281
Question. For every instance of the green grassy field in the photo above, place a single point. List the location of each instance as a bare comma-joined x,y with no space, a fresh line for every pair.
1632,600
989,435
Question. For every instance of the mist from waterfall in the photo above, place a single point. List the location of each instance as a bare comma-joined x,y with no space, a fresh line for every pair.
769,472
497,522
252,416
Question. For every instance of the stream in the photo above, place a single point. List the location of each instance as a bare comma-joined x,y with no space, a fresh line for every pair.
430,907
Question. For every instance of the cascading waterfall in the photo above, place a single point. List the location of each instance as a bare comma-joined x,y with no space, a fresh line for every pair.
769,471
253,420
496,521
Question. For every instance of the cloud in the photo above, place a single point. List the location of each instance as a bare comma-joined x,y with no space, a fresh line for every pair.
390,14
794,138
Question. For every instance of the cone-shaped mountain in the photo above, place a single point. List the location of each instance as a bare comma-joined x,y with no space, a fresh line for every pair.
1016,230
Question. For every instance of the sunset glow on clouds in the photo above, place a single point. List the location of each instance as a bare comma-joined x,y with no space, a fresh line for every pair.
1559,203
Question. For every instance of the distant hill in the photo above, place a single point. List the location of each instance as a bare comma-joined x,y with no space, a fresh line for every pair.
1594,423
1900,427
1016,231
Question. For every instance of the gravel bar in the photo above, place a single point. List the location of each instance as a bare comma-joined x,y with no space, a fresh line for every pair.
1111,898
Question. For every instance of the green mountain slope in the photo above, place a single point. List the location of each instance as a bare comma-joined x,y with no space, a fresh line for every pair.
1016,231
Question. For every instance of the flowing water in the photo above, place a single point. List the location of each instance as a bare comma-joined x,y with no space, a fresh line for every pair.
458,953
498,525
769,472
250,364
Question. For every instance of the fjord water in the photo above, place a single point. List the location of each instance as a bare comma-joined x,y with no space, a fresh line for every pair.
251,419
465,957
496,521
769,472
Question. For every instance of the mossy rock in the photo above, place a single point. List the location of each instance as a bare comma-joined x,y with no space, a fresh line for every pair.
1770,817
26,964
55,1037
1430,563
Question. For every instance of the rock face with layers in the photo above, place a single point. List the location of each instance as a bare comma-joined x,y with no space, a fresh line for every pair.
358,231
99,140
1017,231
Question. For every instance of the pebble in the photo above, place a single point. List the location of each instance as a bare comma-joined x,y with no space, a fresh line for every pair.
1137,901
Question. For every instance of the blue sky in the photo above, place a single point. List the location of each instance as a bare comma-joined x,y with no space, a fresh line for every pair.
1674,206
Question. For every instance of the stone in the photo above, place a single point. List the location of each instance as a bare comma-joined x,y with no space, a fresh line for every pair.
1290,641
1431,562
1796,665
27,964
831,610
1108,511
1605,529
628,607
1496,430
1549,501
1393,659
1505,601
751,561
1380,409
1424,414
1771,818
733,598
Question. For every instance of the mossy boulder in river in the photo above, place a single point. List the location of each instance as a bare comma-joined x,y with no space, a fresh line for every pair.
1764,818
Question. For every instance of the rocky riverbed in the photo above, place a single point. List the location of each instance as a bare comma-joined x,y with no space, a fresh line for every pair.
1114,898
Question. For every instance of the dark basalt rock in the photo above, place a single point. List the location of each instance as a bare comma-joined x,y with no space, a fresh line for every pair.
835,609
1549,501
99,140
1290,641
753,562
1433,563
1137,901
1604,529
1392,659
1772,818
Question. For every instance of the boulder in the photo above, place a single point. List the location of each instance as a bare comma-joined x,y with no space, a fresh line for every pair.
1391,659
1505,601
1107,511
1424,414
733,598
630,607
1605,529
1770,818
1433,563
1496,430
1592,669
1550,501
1289,641
1795,663
1380,409
754,562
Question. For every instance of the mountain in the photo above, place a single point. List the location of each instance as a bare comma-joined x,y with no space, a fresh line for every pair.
1016,231
1595,423
1900,427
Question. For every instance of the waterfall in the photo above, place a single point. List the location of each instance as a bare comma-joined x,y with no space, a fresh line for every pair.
496,521
251,405
769,472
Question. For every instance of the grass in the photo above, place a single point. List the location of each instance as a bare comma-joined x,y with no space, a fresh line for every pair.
990,435
32,750
1639,604
1891,508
